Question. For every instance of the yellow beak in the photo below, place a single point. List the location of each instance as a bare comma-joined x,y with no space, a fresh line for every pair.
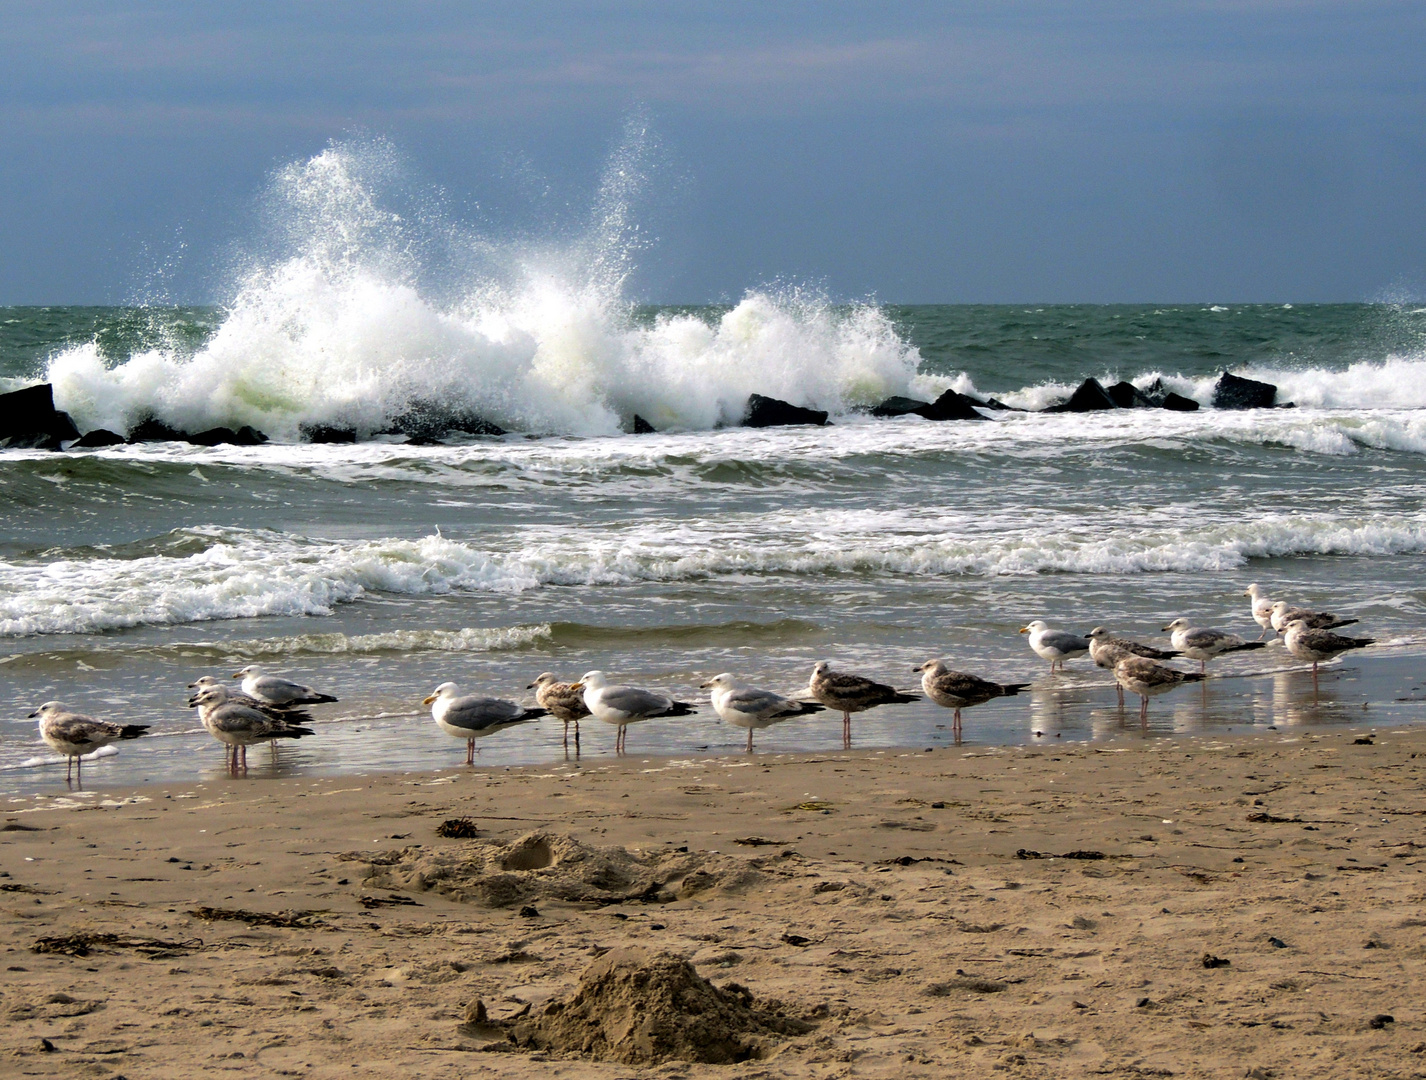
430,699
578,686
1024,629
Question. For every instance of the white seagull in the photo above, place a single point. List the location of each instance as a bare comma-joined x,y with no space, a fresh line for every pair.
74,734
472,717
1262,609
749,707
625,705
1284,614
1056,646
1203,645
276,690
238,726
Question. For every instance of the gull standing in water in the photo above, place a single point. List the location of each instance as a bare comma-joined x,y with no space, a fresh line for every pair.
1147,678
565,701
291,713
238,726
276,690
1283,615
1056,646
625,705
957,690
1106,650
1262,609
748,707
473,717
851,693
1308,642
74,735
1203,645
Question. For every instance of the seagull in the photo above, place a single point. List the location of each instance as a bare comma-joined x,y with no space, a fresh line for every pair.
238,726
1056,646
290,713
1262,610
565,701
851,693
1203,645
957,690
625,705
1308,642
74,735
471,717
1283,615
748,707
1106,650
276,690
1147,678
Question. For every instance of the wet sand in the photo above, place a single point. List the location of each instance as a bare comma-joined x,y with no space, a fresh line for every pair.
919,910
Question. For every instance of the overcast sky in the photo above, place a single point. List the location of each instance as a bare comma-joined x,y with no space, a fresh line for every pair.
918,152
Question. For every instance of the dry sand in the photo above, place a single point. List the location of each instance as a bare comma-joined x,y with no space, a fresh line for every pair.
875,910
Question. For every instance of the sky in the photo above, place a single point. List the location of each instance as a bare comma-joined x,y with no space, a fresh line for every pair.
999,152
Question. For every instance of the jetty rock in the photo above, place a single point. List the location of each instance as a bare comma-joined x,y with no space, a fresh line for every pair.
898,406
1235,392
762,412
1089,397
29,419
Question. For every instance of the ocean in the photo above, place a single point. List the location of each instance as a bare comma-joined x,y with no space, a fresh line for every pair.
377,570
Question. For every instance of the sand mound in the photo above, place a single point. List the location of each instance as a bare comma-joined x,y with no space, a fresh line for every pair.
549,865
640,1008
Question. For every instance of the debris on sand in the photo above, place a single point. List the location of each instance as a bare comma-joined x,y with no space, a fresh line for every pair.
84,944
290,919
457,828
553,866
641,1008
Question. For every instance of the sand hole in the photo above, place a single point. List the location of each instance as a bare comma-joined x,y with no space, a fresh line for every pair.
535,854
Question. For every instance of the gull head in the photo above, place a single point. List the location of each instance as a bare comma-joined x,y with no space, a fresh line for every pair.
1253,591
593,680
213,694
251,669
207,682
1034,627
937,666
1097,633
446,689
46,709
718,682
1279,607
821,667
542,678
1179,624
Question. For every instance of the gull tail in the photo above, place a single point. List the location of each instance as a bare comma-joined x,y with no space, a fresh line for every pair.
679,708
1011,689
293,733
133,731
1247,645
533,712
899,698
319,699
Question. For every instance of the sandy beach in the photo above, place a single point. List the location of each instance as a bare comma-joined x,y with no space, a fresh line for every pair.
1198,906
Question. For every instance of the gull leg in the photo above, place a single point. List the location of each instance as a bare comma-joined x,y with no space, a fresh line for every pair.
576,738
69,769
1314,679
1121,696
470,751
956,727
566,736
750,740
1144,712
78,771
846,730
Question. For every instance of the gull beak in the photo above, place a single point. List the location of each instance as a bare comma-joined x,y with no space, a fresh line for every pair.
237,674
578,686
704,685
1024,629
33,715
1164,629
530,686
429,700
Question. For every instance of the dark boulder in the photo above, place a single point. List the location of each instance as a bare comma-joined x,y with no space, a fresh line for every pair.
151,430
998,406
35,440
643,427
951,406
771,412
322,433
430,422
91,440
220,436
898,406
30,411
1126,395
1089,397
1235,392
1178,403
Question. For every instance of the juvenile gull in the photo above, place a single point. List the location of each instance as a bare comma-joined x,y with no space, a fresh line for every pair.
1106,650
851,693
749,707
625,705
1283,615
473,717
1312,643
74,735
1056,646
238,726
1147,678
565,701
957,690
276,690
1262,609
1203,645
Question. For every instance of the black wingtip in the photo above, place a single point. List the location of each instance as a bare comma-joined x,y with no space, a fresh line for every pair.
681,708
903,699
532,713
133,731
322,699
